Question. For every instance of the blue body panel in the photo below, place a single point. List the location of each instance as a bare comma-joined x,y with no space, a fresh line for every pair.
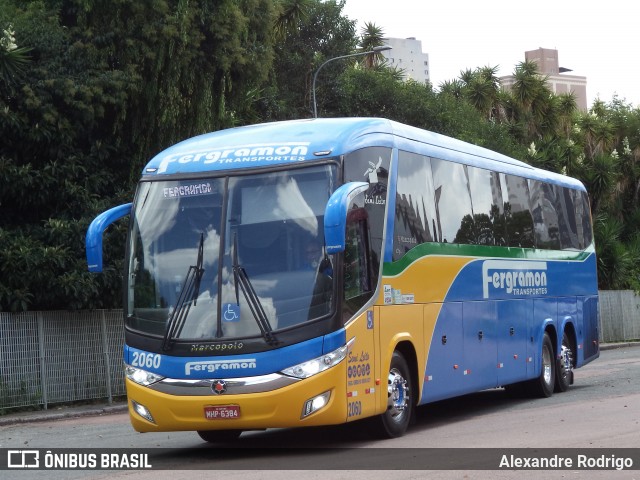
491,333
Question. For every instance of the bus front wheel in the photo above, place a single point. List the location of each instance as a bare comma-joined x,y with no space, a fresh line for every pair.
400,403
219,436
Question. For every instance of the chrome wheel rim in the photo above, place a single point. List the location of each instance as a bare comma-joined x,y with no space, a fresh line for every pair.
398,395
546,365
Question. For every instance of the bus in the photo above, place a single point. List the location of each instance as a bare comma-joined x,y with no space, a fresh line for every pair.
324,271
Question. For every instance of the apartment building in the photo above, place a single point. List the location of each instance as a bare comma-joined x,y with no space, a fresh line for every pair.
557,78
407,54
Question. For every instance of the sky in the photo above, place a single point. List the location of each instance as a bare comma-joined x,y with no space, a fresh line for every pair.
599,41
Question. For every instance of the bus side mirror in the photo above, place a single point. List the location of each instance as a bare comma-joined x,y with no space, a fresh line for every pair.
93,239
335,215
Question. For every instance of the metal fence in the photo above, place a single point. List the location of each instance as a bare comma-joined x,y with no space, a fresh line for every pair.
61,357
619,315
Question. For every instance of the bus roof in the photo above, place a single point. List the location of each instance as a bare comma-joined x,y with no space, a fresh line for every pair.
296,141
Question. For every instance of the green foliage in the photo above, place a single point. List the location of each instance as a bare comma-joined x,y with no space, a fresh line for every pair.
105,86
317,33
91,89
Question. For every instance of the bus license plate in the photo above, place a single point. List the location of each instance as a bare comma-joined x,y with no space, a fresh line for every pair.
221,412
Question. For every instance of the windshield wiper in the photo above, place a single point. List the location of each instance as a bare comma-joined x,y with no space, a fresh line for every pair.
241,278
186,298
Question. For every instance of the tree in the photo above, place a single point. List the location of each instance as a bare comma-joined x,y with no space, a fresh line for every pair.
192,62
108,85
481,88
371,36
13,59
320,32
291,14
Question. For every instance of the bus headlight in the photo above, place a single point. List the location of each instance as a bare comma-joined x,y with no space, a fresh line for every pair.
141,377
320,364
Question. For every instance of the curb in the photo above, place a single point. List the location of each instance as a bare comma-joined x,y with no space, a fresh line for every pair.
63,412
613,346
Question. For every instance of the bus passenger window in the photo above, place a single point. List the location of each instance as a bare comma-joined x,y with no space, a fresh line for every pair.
452,200
415,210
488,207
545,217
517,212
583,218
567,214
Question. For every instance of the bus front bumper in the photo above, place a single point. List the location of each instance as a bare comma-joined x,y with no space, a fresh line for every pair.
177,405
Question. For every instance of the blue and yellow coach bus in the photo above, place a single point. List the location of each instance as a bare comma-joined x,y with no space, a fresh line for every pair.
316,272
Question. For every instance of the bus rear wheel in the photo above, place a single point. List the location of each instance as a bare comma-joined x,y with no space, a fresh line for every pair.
219,436
400,403
564,367
543,385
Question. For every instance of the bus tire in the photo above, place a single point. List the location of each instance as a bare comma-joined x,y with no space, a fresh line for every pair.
564,366
400,403
543,385
219,436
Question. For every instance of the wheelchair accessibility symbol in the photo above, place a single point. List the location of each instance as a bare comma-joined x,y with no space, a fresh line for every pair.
231,312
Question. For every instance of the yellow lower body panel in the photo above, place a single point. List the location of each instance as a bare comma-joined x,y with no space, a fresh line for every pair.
281,408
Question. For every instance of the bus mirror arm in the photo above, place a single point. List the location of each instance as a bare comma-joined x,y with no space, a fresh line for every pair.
93,239
335,215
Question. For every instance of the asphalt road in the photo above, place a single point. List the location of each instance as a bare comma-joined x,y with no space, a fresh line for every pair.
600,411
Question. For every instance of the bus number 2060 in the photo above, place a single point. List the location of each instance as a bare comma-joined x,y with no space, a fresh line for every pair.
146,360
354,409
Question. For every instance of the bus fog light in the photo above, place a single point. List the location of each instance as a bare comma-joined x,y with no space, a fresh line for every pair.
316,403
142,411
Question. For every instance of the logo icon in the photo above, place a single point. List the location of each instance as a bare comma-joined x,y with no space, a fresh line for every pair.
231,312
219,387
23,459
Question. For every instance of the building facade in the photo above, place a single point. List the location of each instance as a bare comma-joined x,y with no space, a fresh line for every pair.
557,79
407,55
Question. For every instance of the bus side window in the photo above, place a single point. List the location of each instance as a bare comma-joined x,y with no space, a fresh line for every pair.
357,269
545,216
517,211
415,215
365,225
452,201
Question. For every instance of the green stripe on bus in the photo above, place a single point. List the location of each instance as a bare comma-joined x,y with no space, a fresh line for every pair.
481,251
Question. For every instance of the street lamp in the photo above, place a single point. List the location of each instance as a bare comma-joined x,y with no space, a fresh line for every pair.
381,48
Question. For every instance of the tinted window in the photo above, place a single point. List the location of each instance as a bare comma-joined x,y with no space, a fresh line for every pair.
415,221
452,200
519,223
488,208
367,165
567,219
583,218
545,217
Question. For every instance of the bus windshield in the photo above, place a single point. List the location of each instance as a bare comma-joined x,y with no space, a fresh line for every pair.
230,257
